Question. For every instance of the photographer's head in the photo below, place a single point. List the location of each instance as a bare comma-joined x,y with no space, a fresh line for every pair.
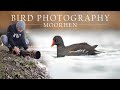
20,26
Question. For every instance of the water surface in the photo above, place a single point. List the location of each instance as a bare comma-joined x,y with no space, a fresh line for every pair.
102,66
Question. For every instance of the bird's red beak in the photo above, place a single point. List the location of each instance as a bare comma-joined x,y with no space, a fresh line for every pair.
52,43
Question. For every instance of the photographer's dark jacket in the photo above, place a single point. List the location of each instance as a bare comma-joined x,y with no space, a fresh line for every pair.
16,38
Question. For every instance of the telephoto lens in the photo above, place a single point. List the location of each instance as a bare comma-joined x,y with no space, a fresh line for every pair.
32,54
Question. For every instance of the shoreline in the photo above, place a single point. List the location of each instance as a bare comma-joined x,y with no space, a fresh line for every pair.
18,67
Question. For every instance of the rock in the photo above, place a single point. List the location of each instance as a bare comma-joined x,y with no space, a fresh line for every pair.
15,67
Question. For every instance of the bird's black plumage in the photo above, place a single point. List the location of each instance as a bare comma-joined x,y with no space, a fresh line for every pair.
74,49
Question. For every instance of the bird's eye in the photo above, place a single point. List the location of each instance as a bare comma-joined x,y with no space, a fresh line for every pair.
55,40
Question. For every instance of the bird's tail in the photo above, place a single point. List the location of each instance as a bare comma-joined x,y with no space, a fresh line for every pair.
94,46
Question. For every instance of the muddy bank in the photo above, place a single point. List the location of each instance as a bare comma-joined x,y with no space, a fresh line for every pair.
16,67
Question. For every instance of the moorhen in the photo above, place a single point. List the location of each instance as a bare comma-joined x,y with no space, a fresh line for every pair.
73,50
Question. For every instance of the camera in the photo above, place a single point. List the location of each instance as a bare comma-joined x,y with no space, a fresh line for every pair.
32,53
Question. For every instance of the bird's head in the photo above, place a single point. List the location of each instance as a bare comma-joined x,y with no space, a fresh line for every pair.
57,40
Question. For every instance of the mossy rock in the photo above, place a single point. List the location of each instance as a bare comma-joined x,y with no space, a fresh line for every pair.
15,67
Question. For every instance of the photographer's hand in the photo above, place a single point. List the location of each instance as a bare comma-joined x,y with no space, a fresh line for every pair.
17,50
